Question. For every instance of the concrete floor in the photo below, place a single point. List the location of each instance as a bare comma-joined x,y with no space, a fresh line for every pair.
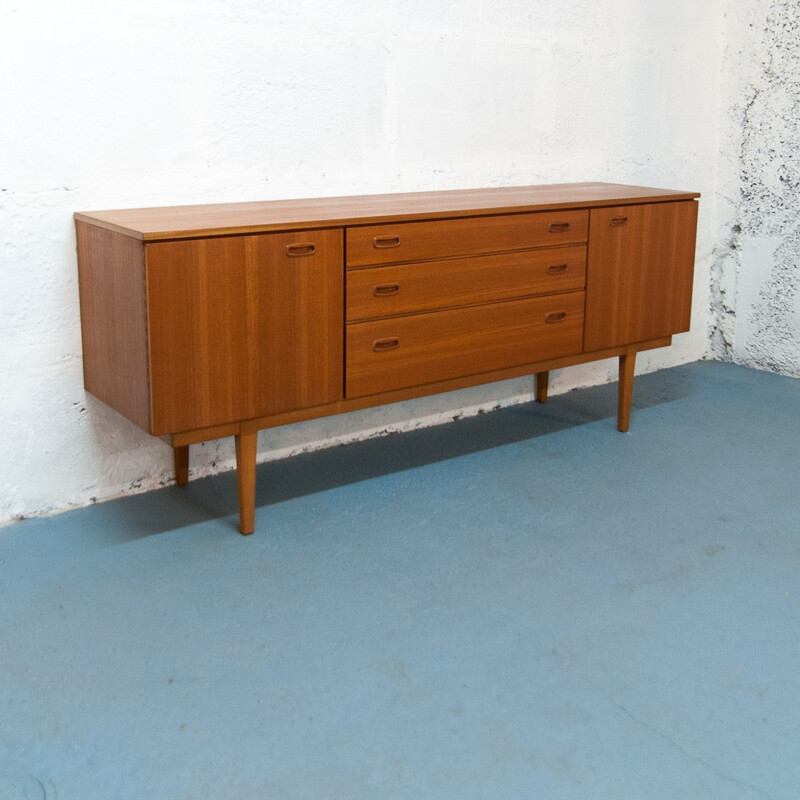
526,604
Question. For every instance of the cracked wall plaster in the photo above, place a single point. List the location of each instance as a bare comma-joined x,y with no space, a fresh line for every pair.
755,268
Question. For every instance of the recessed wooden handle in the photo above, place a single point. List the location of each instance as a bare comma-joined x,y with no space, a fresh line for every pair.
382,345
617,221
558,227
384,242
385,289
300,249
556,269
555,316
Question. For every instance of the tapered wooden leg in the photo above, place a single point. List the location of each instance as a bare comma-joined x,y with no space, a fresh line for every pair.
181,456
627,365
542,379
246,479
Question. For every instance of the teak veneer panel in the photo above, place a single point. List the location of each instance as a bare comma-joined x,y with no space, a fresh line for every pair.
423,286
418,241
640,272
222,219
461,341
111,280
239,328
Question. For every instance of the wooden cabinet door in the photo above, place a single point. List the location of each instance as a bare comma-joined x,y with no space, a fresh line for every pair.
243,326
639,272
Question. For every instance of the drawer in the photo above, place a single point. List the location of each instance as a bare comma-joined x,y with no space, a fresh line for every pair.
427,285
418,241
423,348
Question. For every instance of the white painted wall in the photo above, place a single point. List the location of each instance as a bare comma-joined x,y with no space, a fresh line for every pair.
110,104
756,264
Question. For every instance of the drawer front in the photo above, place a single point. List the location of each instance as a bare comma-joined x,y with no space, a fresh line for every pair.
423,348
424,286
418,241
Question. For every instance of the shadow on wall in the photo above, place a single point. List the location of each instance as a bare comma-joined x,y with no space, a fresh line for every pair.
215,497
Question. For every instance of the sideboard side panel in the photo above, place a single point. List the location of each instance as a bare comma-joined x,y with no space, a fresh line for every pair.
114,320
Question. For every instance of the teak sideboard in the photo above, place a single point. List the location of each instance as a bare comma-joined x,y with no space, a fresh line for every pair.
220,320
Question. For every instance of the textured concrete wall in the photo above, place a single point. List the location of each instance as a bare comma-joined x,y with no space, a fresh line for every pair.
756,266
118,104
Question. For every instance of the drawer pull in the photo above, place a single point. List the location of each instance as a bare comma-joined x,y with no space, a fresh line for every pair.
300,249
555,316
617,221
556,269
384,242
385,289
558,227
382,345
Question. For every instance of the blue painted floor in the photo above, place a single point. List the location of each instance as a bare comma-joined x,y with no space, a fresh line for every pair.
525,604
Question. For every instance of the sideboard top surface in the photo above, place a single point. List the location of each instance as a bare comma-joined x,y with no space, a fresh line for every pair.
224,219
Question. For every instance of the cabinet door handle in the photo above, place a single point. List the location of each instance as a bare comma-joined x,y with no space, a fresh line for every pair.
555,316
300,249
385,289
384,242
558,227
616,221
556,269
382,345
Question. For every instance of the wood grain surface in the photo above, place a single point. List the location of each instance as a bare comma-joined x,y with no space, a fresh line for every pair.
424,286
238,328
222,219
111,280
639,272
418,241
463,341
